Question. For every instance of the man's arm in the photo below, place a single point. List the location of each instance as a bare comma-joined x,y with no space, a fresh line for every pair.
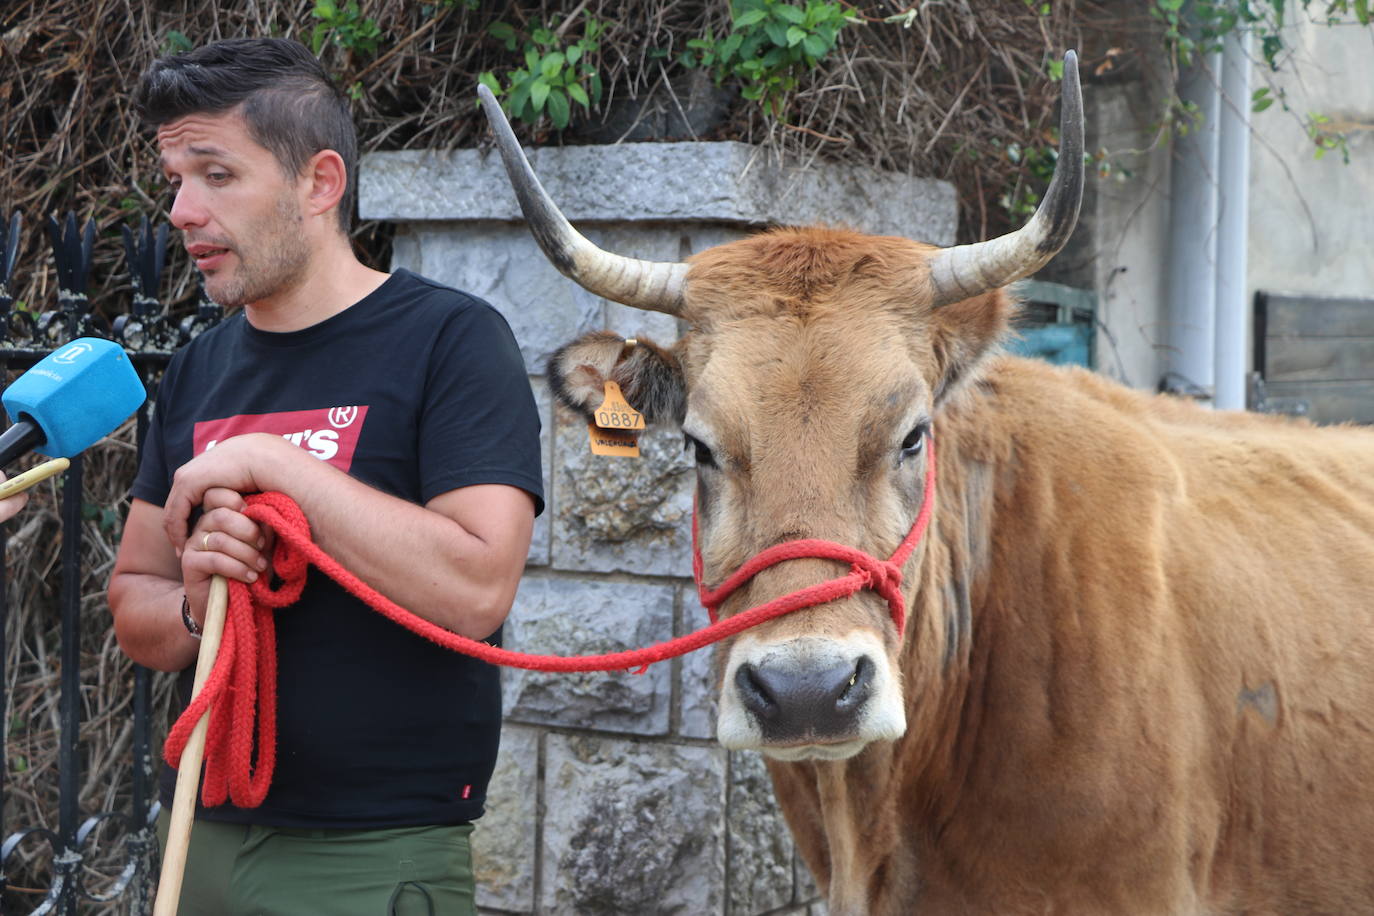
149,579
455,561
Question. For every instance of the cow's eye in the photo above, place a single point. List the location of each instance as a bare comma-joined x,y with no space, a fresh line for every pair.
701,452
914,442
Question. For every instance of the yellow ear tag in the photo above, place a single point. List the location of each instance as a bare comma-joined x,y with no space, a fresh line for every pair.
615,412
622,443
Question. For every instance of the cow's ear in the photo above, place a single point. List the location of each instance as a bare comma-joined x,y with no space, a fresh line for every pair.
648,375
964,335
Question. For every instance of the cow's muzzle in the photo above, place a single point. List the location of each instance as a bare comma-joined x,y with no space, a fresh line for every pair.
795,705
810,697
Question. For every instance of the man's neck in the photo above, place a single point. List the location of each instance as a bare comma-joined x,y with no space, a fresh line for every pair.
334,281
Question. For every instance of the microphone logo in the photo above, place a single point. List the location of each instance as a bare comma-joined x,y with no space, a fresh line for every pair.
72,353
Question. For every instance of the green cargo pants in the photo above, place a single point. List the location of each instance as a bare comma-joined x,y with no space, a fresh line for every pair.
237,870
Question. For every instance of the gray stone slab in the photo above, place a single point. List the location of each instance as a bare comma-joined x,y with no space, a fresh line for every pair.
672,182
699,685
504,842
633,828
761,849
582,617
501,263
622,514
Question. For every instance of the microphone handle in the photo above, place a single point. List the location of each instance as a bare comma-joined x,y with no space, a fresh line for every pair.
22,437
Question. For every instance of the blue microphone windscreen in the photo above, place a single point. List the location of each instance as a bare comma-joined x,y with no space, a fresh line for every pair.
77,394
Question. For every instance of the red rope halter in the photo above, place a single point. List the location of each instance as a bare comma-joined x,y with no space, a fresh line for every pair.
242,685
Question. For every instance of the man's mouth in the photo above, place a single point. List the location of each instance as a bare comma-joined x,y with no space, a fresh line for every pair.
207,257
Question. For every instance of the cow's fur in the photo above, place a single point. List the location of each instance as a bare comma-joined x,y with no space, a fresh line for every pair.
1138,676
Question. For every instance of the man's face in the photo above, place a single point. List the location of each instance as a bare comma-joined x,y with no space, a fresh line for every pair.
239,214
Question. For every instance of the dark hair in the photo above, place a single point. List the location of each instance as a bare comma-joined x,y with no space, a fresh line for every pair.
291,105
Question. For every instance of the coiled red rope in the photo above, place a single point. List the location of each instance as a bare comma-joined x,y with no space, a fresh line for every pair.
241,689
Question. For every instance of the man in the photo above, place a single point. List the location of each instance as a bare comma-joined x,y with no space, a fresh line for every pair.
397,413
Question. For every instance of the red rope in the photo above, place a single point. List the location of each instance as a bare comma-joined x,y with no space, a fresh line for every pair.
242,685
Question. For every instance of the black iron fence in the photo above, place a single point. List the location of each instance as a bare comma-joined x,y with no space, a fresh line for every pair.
150,337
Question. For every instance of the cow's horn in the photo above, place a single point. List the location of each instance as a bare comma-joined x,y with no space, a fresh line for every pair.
965,271
654,285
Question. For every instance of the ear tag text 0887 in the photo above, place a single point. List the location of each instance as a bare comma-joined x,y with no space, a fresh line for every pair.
614,430
615,412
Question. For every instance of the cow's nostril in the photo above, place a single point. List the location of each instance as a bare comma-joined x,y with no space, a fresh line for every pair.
860,685
755,692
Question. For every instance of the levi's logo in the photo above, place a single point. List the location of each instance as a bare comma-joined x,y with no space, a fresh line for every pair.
328,433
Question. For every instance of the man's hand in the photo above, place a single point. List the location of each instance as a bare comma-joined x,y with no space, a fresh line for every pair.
11,506
225,542
235,464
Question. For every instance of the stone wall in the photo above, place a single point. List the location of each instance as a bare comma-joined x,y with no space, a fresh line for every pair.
611,795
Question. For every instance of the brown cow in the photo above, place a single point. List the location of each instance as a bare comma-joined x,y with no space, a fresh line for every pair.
1138,673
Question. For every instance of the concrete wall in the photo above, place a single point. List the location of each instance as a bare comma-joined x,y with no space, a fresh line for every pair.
1310,223
611,794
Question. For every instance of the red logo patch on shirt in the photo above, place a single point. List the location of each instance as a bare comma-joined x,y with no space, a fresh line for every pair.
328,433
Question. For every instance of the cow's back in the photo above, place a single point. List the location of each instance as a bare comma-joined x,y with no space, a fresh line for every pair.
1175,633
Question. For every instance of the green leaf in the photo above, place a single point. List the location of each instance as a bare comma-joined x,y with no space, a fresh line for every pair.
815,46
488,79
790,13
559,109
551,65
519,97
750,18
579,95
176,43
1056,70
501,31
795,36
1261,104
532,60
539,93
776,33
575,52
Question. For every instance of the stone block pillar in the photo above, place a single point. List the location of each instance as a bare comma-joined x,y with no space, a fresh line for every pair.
611,795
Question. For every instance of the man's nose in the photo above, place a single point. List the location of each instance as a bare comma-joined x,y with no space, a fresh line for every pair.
188,212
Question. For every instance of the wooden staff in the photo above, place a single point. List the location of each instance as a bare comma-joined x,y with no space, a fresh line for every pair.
188,774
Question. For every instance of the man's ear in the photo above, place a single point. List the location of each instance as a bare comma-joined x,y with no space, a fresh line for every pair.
649,376
964,335
327,180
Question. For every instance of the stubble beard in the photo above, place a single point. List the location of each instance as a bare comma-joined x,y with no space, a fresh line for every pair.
276,261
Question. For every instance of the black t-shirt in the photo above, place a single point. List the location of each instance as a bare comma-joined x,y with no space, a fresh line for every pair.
416,389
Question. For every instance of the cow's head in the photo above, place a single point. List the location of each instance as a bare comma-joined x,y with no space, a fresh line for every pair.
815,366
